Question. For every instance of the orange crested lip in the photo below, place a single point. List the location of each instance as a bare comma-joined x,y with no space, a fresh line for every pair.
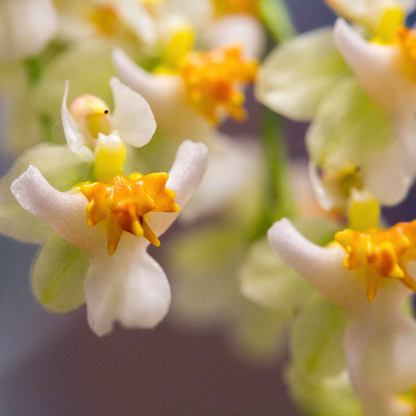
212,80
123,203
380,254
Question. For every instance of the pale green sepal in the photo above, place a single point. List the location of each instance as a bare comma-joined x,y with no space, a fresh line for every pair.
61,168
318,376
296,77
326,396
349,126
58,275
268,281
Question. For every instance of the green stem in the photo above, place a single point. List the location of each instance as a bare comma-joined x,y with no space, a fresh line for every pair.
276,18
279,197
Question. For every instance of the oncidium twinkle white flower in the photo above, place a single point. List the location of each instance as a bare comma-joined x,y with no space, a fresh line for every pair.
370,274
26,27
115,218
123,283
89,116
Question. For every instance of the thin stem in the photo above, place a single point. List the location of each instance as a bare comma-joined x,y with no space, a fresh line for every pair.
276,18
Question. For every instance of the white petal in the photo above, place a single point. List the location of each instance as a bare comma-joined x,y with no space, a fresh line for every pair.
132,116
241,28
54,162
199,12
26,26
74,138
322,267
380,344
65,212
129,287
295,89
230,165
184,178
378,68
389,175
140,21
167,98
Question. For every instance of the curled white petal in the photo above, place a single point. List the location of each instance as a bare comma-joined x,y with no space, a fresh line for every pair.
375,65
167,97
73,137
129,287
26,26
242,29
321,266
132,116
65,212
184,178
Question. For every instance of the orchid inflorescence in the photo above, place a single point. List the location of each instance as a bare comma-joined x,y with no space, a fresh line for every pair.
260,252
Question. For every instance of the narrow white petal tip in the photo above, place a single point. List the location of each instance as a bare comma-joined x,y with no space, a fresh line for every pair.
277,232
20,187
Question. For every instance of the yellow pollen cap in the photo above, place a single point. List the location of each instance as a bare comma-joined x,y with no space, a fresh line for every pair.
92,115
104,18
124,202
236,6
380,254
212,80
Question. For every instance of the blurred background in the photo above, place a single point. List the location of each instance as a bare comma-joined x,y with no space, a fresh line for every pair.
54,365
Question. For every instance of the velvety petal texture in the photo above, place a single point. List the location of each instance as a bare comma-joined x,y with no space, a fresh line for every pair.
26,27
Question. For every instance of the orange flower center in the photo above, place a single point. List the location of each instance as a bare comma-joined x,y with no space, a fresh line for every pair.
379,254
124,202
212,81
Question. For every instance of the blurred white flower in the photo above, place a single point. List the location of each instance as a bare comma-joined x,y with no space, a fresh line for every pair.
353,135
367,274
26,27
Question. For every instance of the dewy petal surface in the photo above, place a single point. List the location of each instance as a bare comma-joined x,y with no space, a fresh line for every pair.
26,26
132,116
322,267
297,76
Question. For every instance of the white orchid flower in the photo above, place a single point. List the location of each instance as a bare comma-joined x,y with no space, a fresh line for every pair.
89,116
370,275
123,282
26,27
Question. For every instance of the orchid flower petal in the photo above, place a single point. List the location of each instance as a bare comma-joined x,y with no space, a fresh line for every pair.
375,65
379,345
184,178
132,116
288,86
26,26
238,28
65,212
140,21
167,98
129,287
322,267
74,138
